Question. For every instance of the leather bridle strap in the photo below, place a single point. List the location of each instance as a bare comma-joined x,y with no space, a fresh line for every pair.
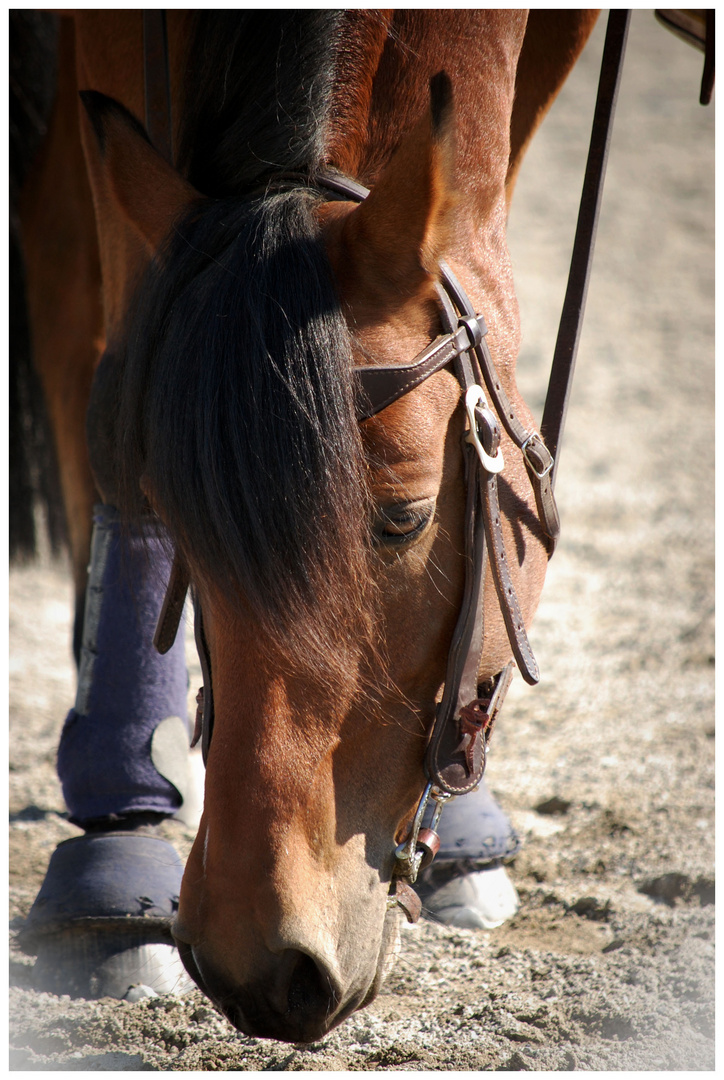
156,82
204,726
380,386
383,384
537,457
455,757
569,330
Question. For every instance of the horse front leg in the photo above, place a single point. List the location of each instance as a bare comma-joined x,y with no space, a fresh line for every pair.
100,922
553,42
64,306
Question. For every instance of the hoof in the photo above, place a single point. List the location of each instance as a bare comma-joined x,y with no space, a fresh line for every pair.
480,900
90,963
101,923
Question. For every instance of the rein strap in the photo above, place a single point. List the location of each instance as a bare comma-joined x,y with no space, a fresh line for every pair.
569,330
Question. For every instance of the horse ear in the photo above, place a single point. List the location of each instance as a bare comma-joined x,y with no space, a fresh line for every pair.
149,191
399,234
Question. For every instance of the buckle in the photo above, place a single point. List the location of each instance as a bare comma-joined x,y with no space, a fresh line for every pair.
475,327
543,461
473,398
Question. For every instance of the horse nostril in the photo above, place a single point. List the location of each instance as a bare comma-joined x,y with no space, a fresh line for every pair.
311,990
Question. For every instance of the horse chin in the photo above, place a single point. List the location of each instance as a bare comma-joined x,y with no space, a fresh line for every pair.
389,951
313,1007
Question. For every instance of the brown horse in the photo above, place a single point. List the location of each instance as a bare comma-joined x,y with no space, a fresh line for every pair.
325,554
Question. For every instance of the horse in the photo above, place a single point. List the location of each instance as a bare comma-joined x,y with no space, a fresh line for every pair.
204,315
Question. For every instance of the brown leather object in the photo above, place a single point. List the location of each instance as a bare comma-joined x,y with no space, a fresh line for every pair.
381,385
695,26
452,752
172,608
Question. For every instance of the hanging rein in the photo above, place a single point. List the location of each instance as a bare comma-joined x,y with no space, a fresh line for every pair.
458,739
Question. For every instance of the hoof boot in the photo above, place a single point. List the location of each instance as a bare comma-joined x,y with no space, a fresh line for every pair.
101,923
476,900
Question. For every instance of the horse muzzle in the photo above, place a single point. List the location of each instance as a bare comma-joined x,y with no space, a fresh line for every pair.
298,999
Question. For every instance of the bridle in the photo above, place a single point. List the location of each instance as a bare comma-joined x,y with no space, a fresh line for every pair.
457,743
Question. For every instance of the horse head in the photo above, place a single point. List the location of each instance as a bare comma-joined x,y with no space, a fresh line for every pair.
326,555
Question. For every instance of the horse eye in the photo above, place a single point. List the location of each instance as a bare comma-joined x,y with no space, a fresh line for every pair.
398,525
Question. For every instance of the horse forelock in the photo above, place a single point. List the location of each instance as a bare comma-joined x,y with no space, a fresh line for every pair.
237,408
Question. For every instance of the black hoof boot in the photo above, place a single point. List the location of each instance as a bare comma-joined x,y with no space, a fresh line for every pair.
101,923
468,884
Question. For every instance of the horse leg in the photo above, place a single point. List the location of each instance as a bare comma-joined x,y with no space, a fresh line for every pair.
552,44
123,765
129,718
64,306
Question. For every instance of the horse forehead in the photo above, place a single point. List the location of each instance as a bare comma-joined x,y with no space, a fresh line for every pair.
408,437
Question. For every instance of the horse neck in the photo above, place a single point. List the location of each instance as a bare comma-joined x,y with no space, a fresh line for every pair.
382,88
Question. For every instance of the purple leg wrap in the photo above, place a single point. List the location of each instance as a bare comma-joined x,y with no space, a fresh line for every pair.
125,688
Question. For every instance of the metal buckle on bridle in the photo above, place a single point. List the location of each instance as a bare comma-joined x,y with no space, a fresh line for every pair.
475,327
543,453
421,846
473,399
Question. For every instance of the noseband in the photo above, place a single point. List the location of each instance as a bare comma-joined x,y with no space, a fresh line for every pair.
458,739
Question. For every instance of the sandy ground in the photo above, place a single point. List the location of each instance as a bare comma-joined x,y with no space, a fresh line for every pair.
609,964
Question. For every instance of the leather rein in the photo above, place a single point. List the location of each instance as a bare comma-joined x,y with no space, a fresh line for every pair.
457,743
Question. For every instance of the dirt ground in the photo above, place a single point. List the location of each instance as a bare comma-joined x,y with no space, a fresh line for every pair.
610,963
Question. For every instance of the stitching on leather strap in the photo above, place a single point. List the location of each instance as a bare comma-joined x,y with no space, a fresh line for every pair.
419,371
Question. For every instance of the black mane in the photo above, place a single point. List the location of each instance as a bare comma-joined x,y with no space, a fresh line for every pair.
236,396
257,95
237,408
